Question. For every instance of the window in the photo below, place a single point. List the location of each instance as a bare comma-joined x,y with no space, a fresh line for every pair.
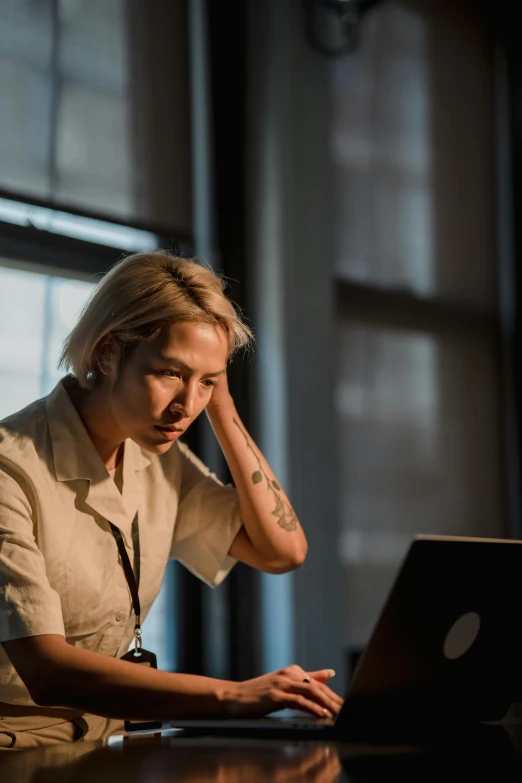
417,396
64,69
37,311
81,126
95,110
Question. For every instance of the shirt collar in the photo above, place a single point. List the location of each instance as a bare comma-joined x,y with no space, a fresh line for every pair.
75,456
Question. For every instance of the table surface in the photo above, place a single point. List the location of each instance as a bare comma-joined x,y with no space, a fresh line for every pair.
490,753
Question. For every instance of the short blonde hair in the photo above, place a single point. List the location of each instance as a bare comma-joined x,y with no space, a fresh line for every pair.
141,295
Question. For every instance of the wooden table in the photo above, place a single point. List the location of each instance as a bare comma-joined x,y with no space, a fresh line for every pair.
491,753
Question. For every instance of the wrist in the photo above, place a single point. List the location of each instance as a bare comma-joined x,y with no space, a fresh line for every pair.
227,695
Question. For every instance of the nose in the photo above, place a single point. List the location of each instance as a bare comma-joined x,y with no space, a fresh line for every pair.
185,401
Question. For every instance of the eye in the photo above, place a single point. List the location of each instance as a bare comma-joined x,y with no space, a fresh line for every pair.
209,383
170,373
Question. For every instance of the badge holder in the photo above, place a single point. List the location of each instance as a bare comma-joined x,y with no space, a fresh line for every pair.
145,658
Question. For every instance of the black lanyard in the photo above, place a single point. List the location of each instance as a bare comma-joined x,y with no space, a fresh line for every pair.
138,655
131,575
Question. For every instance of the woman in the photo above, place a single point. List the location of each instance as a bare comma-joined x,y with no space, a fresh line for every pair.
97,492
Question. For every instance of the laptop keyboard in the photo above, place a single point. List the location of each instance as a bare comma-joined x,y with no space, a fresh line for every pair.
307,723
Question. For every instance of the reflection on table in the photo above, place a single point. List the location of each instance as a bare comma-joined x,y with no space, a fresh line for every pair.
489,753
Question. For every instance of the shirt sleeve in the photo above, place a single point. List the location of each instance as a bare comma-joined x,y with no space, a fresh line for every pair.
28,604
207,521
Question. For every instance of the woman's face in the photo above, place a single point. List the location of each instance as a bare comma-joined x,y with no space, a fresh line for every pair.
166,383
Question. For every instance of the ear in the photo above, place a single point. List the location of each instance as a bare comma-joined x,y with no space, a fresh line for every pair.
106,355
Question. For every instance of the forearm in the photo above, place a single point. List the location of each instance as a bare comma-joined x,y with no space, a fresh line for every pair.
266,511
71,677
59,675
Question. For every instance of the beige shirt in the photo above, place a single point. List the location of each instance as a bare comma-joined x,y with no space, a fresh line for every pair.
59,565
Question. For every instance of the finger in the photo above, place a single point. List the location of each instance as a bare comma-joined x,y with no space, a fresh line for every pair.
330,694
297,701
323,675
327,697
313,693
320,676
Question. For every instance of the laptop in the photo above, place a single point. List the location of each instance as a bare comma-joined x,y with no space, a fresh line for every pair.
444,652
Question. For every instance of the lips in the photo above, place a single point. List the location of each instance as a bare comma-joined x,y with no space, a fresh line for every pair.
168,433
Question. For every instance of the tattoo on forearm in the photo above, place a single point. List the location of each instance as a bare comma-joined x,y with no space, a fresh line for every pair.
283,512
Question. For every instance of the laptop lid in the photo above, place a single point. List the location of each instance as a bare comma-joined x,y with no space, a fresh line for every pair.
446,645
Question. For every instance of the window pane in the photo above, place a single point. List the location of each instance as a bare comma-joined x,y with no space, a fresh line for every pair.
93,42
95,107
26,31
92,144
419,453
25,95
37,311
64,302
413,159
21,338
25,101
92,150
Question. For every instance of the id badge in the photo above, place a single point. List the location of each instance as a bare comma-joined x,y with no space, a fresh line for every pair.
144,658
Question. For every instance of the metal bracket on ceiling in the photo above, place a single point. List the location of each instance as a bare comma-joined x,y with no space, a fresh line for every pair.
333,26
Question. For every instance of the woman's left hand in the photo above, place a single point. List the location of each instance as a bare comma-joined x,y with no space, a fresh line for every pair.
221,397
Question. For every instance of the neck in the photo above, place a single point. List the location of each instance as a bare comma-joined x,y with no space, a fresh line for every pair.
94,411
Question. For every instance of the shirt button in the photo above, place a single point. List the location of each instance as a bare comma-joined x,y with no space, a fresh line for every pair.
120,617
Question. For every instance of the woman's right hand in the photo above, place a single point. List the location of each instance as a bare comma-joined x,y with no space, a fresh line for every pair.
291,687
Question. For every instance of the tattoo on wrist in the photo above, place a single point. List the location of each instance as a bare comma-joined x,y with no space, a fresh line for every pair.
283,512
